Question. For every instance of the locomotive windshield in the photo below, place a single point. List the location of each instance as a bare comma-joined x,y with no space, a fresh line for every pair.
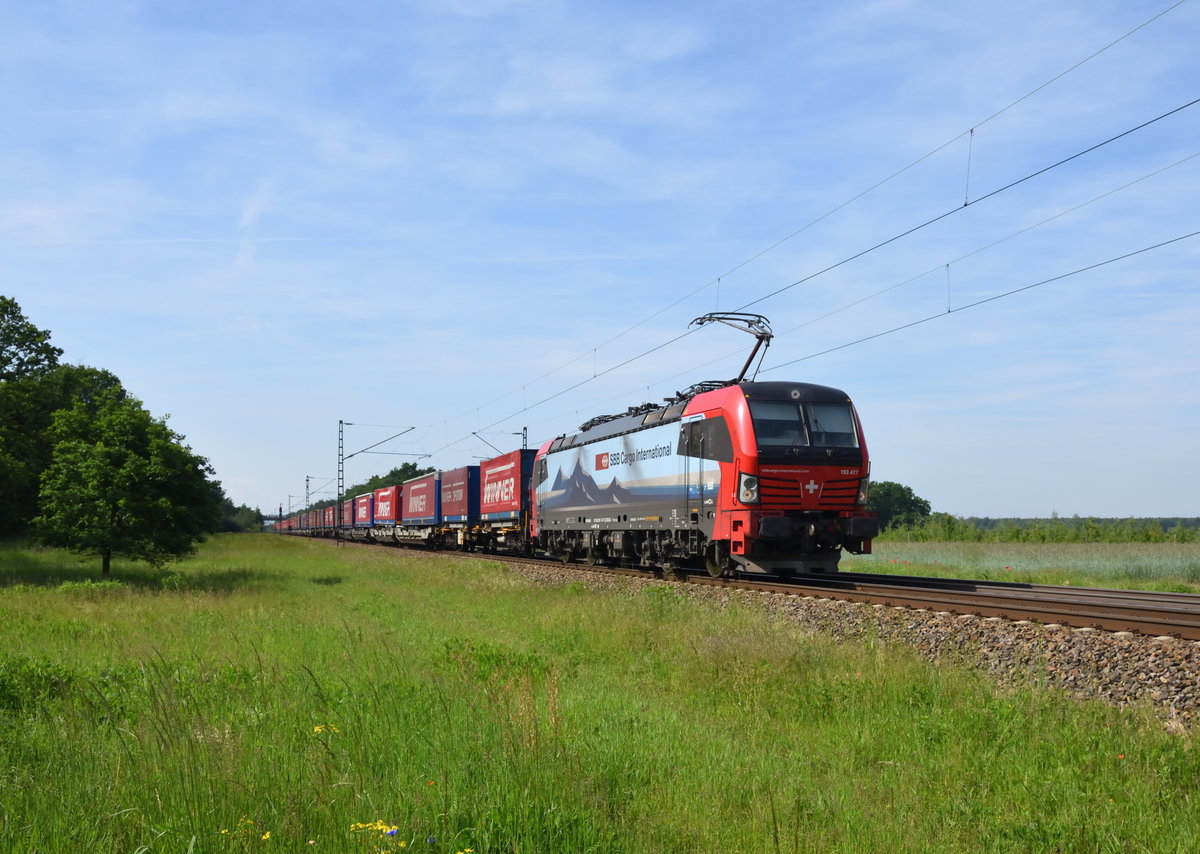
785,427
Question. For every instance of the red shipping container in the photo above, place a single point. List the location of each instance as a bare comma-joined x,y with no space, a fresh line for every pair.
362,510
330,516
386,505
347,514
421,500
503,483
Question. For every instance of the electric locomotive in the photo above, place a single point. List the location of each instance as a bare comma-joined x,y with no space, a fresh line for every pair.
765,477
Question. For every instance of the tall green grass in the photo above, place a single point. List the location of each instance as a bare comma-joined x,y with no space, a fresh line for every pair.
279,694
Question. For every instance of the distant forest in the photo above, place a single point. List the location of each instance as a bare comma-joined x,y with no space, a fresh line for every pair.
942,527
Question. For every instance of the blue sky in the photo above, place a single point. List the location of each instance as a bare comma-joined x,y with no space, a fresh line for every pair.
471,215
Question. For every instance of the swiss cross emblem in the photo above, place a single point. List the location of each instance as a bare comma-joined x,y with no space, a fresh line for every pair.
812,486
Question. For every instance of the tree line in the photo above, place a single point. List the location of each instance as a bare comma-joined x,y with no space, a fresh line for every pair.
85,466
905,516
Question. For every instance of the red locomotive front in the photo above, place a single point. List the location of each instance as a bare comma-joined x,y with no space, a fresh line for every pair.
796,488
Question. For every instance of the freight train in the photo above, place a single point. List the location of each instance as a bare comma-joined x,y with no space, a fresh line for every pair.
728,477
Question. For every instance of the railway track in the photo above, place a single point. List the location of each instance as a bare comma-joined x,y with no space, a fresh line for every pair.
1142,612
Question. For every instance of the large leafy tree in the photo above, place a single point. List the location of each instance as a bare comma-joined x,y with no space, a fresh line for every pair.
896,504
27,406
26,354
122,483
24,349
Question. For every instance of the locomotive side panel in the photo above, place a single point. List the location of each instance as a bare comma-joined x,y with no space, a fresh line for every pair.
635,481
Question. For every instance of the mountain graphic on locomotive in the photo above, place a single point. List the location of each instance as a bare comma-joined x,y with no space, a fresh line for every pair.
727,476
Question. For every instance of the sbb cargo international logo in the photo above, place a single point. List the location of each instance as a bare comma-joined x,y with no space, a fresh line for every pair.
631,458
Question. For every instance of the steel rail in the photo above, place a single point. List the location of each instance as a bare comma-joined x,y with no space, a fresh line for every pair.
1143,612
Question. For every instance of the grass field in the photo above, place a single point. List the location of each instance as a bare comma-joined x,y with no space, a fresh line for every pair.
276,694
1140,566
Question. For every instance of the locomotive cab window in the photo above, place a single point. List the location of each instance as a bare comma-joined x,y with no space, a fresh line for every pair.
708,439
783,427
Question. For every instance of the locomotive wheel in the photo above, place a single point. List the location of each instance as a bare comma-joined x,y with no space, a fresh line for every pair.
716,560
593,557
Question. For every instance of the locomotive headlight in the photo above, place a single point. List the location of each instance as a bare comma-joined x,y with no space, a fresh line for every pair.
864,489
748,489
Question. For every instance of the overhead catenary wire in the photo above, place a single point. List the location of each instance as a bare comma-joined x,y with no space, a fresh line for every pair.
716,281
986,247
597,373
985,300
958,209
917,277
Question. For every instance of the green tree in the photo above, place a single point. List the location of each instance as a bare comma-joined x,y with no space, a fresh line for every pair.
25,353
121,482
24,349
896,504
33,385
239,519
27,406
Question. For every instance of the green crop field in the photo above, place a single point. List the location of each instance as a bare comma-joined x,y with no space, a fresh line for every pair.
1171,567
276,694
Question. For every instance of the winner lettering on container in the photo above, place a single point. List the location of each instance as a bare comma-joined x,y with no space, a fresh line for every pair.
500,490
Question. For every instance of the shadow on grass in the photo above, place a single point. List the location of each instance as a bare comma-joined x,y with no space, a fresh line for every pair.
327,580
53,569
